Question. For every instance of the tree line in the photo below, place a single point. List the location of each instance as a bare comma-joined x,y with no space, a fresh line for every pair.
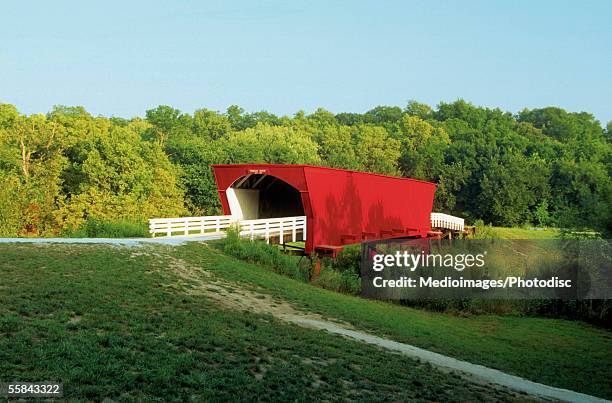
545,167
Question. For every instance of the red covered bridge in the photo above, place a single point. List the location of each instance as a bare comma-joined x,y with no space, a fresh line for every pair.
341,206
325,207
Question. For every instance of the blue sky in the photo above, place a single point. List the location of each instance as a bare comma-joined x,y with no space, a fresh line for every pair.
121,58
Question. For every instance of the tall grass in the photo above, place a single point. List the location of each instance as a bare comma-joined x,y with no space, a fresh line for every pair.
341,274
484,231
334,280
268,255
94,228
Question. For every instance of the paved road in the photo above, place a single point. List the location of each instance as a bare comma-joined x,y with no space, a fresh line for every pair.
175,240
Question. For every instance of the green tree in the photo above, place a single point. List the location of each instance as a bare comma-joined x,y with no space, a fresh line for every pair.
375,150
512,187
240,120
419,110
166,121
423,148
210,125
336,147
121,178
194,155
270,144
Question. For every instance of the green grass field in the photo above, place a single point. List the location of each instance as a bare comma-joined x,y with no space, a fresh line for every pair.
121,323
550,351
504,233
525,233
118,323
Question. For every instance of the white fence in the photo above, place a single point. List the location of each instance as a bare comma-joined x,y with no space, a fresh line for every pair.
446,221
190,225
282,227
262,228
269,227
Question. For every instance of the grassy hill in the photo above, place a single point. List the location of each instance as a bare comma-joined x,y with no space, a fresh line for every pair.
149,322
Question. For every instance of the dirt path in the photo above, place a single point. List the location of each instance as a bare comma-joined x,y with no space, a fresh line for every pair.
233,296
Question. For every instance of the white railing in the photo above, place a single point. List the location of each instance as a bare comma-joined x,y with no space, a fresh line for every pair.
190,225
446,221
262,228
269,227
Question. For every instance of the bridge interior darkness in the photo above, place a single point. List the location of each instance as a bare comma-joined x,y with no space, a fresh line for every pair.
264,196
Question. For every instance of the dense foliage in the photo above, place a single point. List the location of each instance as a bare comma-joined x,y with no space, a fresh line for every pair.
544,166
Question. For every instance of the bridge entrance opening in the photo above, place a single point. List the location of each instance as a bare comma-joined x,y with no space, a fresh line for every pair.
257,196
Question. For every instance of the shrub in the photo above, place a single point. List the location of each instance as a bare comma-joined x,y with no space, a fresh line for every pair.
341,275
255,251
349,260
485,231
541,214
94,228
339,281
